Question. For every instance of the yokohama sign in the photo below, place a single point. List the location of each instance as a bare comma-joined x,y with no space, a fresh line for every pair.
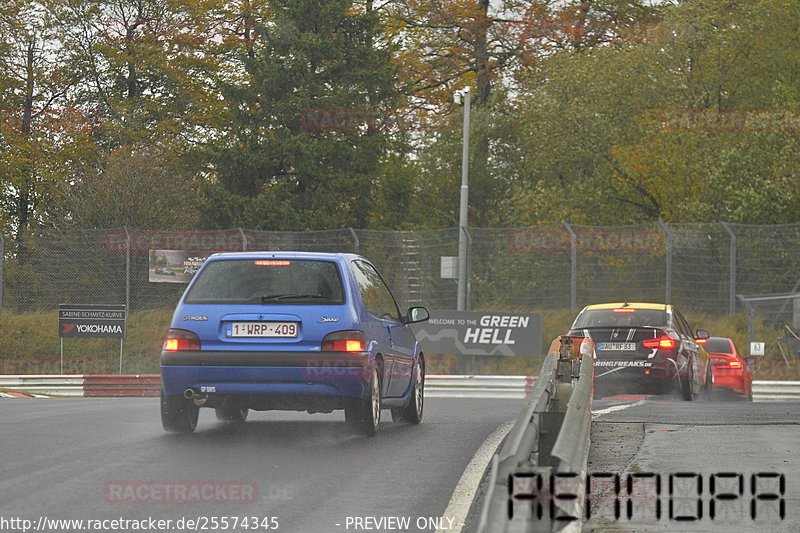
554,240
91,321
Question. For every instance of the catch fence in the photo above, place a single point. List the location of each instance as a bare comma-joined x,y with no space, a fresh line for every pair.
709,268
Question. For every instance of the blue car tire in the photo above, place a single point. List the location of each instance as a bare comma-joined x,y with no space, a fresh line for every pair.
412,413
178,415
365,415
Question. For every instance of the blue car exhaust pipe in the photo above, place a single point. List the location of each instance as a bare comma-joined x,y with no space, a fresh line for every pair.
198,399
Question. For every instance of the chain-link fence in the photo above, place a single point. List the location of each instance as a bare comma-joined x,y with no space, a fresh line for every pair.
699,267
774,320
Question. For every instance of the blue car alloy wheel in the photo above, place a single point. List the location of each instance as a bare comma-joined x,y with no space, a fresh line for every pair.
300,331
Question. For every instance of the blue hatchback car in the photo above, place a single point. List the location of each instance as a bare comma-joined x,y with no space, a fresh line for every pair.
291,331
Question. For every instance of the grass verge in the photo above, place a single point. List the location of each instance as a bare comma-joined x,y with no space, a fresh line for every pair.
29,344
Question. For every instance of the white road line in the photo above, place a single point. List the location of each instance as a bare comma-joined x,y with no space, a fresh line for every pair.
615,408
464,493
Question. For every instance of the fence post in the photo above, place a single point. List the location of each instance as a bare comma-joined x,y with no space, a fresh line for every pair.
750,320
468,272
732,283
244,239
573,279
669,259
127,271
355,238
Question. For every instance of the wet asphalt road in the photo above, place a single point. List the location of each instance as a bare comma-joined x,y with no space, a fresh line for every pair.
93,459
748,448
105,459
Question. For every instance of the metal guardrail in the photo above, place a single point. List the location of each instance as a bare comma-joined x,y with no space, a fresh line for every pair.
573,442
436,386
84,385
469,386
550,440
49,385
776,391
519,387
122,385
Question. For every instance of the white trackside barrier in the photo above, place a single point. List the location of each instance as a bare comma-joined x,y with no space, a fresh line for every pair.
436,386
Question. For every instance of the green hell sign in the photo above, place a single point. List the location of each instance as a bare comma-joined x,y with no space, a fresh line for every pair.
481,333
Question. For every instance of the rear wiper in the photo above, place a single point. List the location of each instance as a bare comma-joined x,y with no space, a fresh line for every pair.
278,297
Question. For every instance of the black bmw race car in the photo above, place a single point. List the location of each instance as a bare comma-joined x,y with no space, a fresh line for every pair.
644,348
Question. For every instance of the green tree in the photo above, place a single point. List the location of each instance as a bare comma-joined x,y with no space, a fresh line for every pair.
493,47
284,160
448,44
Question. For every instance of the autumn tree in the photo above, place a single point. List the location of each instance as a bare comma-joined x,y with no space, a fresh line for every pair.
491,46
135,187
633,133
37,122
148,66
149,73
447,44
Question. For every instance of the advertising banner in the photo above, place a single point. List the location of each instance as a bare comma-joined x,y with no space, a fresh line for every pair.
481,333
175,266
91,321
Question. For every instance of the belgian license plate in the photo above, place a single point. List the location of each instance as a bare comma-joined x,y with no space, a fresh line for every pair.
617,346
261,329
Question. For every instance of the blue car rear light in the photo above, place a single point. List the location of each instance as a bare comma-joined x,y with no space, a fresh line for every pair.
344,341
180,340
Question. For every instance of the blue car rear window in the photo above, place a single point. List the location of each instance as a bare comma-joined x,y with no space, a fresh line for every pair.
271,281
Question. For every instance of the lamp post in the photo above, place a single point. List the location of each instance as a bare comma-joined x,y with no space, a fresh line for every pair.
462,210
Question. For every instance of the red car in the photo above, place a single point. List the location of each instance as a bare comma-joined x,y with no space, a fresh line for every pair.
729,368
